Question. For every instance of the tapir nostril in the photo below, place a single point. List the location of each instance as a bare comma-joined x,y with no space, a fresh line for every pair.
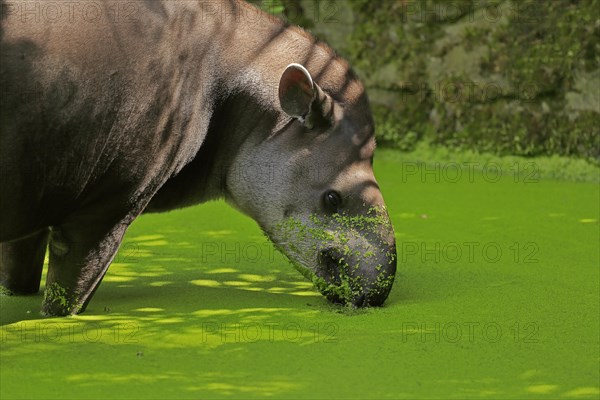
330,266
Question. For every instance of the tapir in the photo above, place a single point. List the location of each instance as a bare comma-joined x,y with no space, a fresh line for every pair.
113,109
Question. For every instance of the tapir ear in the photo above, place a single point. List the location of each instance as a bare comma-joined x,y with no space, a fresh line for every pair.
302,98
296,91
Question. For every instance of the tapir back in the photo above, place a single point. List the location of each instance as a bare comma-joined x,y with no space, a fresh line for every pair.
95,103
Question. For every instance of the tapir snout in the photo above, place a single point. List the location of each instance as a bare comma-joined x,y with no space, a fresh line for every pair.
363,253
372,281
351,258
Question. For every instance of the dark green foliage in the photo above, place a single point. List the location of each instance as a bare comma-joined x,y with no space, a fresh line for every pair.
508,77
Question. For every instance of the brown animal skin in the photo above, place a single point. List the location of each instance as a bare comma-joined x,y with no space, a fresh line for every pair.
110,109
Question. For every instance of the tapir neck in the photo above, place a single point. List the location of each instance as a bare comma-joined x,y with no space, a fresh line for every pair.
249,51
256,49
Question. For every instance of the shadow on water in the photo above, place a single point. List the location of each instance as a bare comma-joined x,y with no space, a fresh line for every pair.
183,278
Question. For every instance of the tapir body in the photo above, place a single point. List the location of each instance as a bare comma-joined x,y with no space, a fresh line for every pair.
112,109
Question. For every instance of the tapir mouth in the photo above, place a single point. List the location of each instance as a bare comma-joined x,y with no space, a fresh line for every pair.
366,286
355,260
331,271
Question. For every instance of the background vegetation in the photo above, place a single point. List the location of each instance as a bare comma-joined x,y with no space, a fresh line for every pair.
507,77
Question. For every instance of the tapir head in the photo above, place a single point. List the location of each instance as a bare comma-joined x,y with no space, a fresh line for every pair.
310,185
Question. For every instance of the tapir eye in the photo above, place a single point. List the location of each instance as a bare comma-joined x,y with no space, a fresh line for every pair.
332,200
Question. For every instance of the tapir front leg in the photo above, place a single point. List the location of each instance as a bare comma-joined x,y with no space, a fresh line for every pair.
80,253
21,263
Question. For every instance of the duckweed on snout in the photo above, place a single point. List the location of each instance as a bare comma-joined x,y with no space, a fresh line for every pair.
355,240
